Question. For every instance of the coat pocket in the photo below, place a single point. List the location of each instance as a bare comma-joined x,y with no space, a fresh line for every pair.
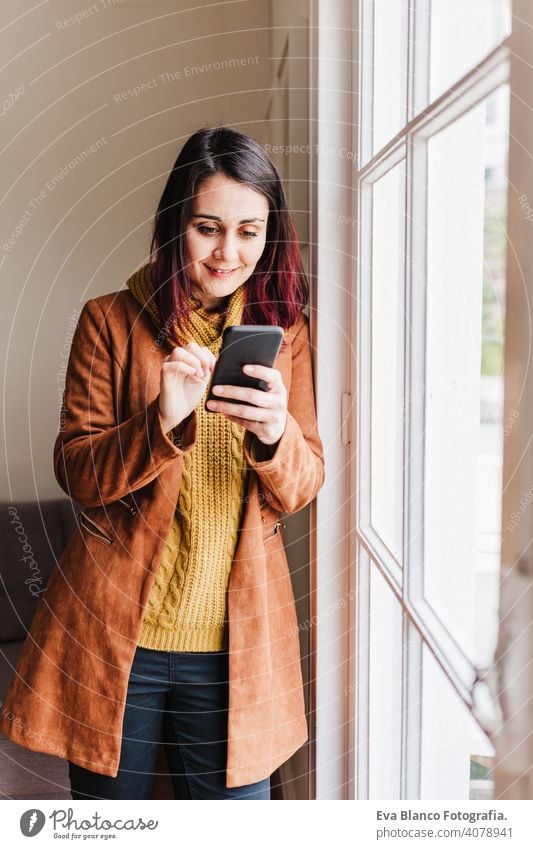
271,532
129,504
94,528
271,523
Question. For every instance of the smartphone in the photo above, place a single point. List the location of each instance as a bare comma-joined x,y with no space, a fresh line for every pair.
244,344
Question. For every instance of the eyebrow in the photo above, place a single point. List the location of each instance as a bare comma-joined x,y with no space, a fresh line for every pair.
216,218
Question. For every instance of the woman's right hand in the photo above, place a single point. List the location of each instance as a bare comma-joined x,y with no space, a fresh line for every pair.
184,376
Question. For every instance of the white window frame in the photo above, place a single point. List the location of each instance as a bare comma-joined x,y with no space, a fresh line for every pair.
332,744
340,758
422,624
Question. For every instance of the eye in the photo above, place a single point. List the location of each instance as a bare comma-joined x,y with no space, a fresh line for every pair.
206,230
249,234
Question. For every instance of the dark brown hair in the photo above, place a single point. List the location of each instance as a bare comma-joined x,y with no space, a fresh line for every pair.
278,288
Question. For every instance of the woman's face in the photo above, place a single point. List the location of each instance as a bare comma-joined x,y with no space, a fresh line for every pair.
225,237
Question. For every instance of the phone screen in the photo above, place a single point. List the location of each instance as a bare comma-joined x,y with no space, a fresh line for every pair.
245,344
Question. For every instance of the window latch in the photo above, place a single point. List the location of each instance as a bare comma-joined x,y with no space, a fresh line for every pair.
346,405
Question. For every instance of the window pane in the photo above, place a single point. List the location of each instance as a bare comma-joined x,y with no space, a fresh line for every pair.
387,359
385,692
457,757
462,33
390,56
464,373
491,436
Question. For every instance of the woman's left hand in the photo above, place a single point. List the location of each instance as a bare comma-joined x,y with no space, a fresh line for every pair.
268,417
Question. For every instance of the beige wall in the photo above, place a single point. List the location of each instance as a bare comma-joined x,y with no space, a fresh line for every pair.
84,160
89,226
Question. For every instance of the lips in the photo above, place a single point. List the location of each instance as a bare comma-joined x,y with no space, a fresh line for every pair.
221,272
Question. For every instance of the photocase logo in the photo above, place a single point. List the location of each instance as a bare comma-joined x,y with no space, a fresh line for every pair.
31,822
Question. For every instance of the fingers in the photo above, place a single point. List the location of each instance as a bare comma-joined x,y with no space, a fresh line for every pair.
272,375
242,411
206,357
192,359
182,368
250,424
257,397
274,397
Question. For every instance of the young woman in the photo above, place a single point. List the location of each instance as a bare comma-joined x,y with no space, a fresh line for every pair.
172,606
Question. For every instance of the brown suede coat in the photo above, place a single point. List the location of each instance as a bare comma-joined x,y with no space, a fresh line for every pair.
111,456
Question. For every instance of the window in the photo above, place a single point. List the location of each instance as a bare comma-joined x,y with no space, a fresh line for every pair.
433,110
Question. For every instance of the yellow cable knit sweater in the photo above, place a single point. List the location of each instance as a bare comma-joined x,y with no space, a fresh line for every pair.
186,609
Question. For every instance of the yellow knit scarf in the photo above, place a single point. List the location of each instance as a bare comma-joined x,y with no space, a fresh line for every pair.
187,604
202,326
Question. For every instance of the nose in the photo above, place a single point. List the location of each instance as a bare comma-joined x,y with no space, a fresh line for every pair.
226,249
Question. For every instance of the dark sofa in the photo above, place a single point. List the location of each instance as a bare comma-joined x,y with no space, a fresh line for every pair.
32,535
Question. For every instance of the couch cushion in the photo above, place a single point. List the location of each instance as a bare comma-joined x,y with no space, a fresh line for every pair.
25,774
32,536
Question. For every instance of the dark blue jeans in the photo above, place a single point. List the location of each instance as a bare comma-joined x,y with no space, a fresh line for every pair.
186,694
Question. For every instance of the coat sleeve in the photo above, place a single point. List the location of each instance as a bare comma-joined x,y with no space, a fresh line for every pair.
98,459
294,473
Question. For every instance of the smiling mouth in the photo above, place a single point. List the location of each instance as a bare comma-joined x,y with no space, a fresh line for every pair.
220,272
